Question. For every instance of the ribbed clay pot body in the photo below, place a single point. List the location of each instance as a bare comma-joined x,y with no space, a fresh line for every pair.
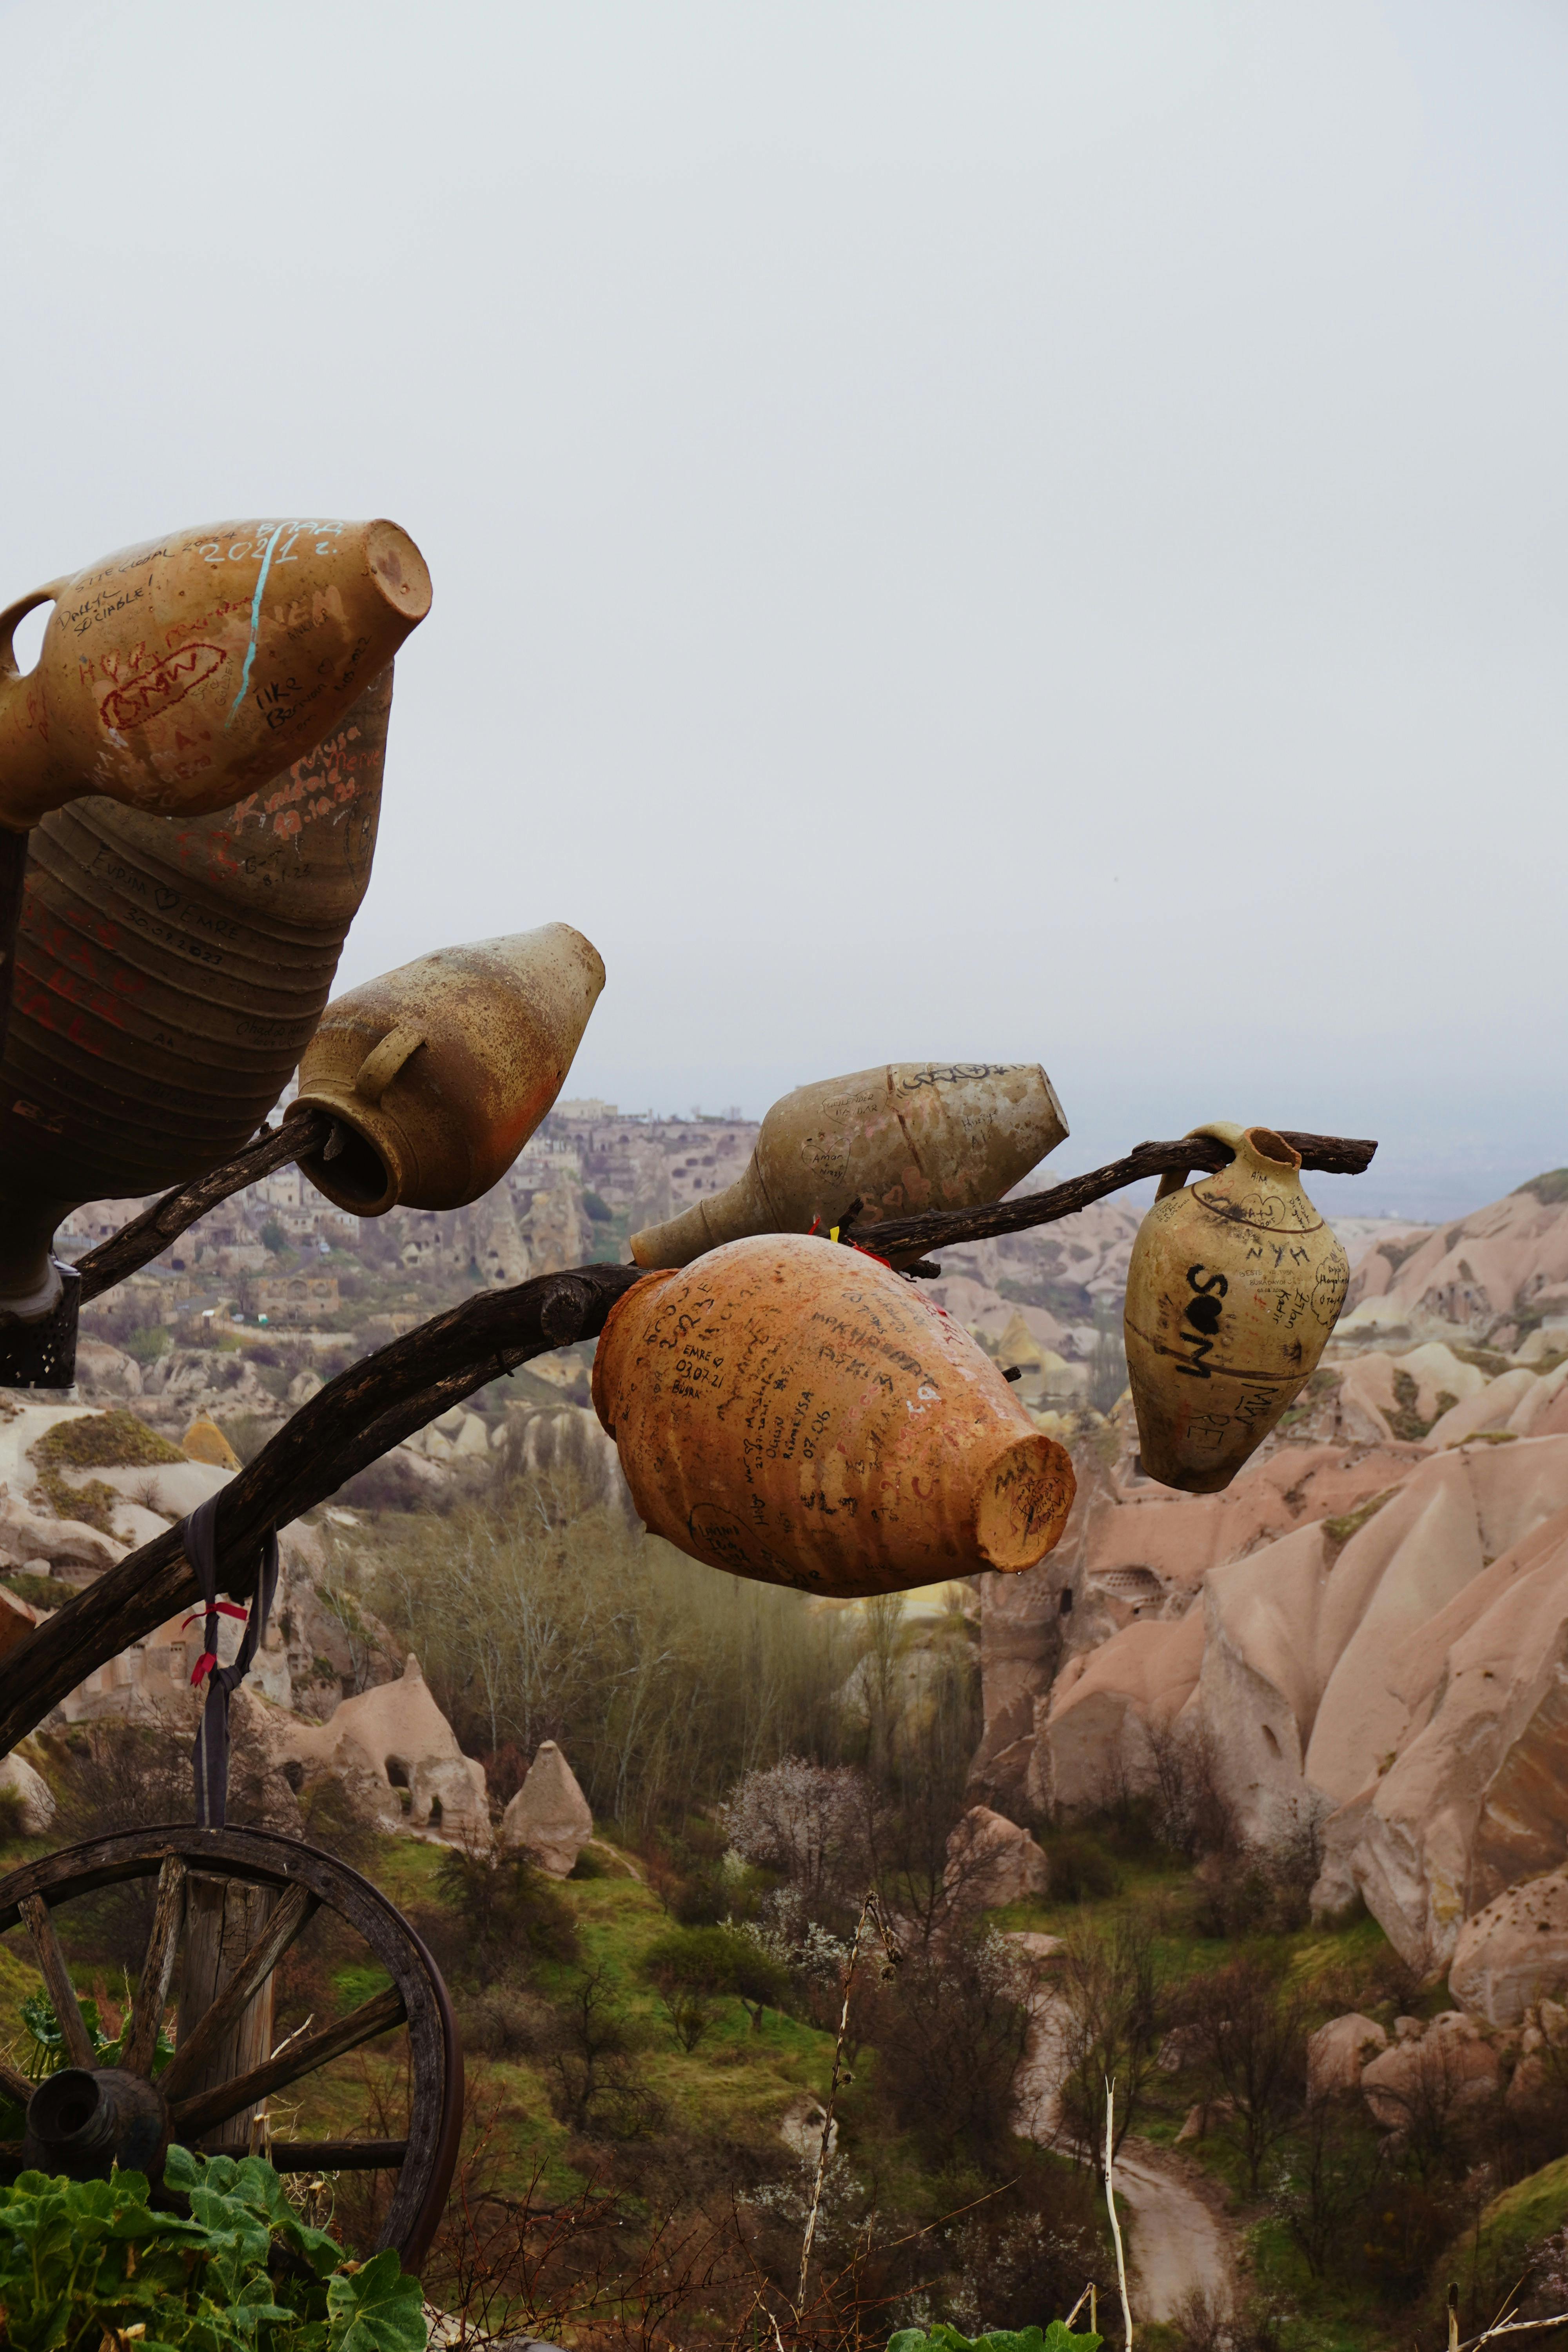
1234,1287
170,973
792,1411
177,676
907,1137
439,1072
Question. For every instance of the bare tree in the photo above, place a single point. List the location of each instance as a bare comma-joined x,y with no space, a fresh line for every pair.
1248,2032
1118,2013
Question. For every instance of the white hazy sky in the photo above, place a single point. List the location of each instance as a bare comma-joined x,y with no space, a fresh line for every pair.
1020,530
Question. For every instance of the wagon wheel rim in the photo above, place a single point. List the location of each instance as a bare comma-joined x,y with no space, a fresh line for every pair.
306,1880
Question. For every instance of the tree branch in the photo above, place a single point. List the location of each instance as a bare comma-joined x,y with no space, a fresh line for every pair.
351,1423
149,1234
902,1238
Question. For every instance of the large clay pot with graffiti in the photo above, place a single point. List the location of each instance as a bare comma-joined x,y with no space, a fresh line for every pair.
437,1074
1235,1284
170,973
906,1137
790,1410
177,676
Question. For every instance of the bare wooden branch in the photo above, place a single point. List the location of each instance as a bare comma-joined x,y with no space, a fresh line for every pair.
253,1970
336,2154
373,1405
56,1977
157,1968
15,2087
191,2118
149,1234
903,1238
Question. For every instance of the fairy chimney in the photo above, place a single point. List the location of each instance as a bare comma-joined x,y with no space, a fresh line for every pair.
548,1819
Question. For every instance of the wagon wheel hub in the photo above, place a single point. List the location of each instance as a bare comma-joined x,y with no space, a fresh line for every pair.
83,2124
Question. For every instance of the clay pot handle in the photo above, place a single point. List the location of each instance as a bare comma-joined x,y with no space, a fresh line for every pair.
1243,1142
16,613
381,1064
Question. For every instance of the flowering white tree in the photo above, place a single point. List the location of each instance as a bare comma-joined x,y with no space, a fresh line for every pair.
811,1821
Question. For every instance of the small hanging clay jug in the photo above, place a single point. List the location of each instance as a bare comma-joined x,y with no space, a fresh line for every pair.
1235,1285
907,1137
792,1411
169,974
175,677
439,1073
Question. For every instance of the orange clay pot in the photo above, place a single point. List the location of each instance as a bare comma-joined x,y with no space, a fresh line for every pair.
908,1136
439,1073
795,1411
1234,1286
177,676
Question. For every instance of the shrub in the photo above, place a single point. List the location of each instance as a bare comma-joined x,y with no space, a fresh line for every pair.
104,1441
693,1968
1081,1870
509,1910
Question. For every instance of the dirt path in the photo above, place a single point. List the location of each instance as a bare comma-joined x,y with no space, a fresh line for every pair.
1179,2243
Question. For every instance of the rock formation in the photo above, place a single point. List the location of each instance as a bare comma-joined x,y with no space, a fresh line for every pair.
1338,2053
991,1861
549,1819
386,1742
1513,1952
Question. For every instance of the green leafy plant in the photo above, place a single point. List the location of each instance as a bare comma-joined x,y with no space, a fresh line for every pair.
85,2262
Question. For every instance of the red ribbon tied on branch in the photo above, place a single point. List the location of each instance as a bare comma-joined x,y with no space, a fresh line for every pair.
208,1658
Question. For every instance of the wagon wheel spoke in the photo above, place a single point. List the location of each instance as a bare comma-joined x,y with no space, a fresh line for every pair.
57,1976
337,2154
193,2117
247,1979
15,2087
157,1968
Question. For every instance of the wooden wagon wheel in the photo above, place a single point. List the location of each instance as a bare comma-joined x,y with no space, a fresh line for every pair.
86,2118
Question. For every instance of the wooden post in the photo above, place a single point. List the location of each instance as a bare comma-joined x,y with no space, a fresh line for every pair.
223,1918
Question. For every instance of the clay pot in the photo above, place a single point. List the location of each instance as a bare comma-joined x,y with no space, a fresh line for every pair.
792,1411
177,676
169,976
439,1072
1235,1285
907,1137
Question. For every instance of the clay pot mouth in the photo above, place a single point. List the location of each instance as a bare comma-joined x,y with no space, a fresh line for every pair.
1269,1146
398,570
357,1177
1022,1503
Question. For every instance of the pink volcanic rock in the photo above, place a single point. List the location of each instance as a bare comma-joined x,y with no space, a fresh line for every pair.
1339,2050
1451,2066
550,1818
991,1861
1367,1386
1477,1272
1477,1796
386,1739
1492,1408
1319,1658
1092,1739
1514,1953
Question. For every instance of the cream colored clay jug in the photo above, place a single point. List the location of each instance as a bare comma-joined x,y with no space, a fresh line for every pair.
177,676
905,1138
792,1411
439,1073
1236,1283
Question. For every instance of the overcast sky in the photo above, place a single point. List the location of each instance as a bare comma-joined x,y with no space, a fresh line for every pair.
998,530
